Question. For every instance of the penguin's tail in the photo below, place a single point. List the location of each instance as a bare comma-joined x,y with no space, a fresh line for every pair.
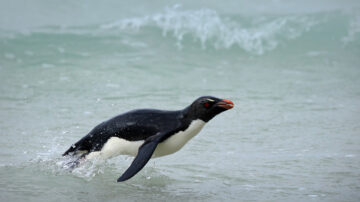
71,151
81,146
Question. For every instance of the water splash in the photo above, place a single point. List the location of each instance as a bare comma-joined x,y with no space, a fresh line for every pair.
50,160
208,27
353,30
86,170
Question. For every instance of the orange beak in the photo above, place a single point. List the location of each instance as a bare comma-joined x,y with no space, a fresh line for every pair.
225,103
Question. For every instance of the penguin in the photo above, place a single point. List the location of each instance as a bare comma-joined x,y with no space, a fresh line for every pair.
147,133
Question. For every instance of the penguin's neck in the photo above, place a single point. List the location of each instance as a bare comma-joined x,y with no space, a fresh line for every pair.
189,115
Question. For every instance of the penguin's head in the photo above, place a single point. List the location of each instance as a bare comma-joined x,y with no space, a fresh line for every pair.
207,107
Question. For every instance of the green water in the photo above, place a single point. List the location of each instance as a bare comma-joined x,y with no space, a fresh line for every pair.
291,68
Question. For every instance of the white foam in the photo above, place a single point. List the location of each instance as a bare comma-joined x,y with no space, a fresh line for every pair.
206,25
353,30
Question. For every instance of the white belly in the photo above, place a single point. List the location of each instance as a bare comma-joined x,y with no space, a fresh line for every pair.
178,140
117,146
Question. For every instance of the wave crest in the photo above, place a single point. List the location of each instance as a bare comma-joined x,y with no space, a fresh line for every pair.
353,30
208,27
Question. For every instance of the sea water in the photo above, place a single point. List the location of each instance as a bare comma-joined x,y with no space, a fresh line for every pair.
291,68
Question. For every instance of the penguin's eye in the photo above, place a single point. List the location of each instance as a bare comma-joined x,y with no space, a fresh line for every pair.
208,103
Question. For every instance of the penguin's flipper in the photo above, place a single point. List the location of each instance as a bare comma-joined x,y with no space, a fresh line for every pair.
144,154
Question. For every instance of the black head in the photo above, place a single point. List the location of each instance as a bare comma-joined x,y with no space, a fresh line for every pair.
207,107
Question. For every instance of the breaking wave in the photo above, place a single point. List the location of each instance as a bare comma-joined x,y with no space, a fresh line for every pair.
255,36
208,29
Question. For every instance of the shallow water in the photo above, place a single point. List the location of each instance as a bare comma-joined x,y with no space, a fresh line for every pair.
291,69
